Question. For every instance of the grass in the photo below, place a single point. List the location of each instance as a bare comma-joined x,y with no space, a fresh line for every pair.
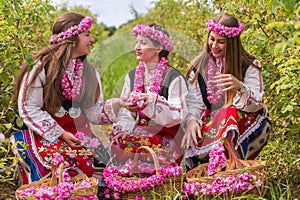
113,59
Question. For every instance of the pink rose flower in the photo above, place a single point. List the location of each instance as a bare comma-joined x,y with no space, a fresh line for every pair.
57,159
94,143
79,136
2,137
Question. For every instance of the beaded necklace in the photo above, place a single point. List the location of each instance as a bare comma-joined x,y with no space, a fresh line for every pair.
214,93
71,81
157,78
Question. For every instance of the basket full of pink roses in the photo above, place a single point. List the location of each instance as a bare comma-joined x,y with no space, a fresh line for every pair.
60,185
143,179
226,178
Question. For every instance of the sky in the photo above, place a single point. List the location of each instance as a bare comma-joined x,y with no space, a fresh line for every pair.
111,12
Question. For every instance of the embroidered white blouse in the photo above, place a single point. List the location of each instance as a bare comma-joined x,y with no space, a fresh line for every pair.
251,100
163,112
30,104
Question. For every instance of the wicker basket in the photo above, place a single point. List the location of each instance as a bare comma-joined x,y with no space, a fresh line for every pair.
233,167
169,184
52,181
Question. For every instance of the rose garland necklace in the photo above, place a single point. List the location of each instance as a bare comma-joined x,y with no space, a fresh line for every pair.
214,93
71,81
157,78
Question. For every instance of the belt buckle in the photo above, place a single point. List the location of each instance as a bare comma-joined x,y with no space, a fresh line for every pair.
74,112
143,122
61,112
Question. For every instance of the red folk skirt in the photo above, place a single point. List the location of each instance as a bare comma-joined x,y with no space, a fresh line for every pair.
236,125
38,155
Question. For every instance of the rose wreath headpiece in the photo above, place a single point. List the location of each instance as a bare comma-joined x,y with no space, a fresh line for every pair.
223,30
154,34
84,25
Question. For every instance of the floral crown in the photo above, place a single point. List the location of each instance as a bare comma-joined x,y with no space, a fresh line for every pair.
154,34
73,30
223,30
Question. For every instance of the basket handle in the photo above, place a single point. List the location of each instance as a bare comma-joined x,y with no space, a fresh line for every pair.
152,153
53,180
234,162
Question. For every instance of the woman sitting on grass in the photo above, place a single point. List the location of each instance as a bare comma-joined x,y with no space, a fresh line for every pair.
57,99
226,97
157,93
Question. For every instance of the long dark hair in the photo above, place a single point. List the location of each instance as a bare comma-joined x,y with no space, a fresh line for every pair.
54,59
235,54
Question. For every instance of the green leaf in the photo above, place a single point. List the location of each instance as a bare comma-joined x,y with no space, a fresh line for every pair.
29,59
19,122
297,25
298,11
280,48
289,5
290,108
4,77
273,6
297,39
287,108
8,125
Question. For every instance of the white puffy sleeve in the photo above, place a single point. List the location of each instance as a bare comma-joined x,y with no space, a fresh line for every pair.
30,104
194,101
253,99
172,111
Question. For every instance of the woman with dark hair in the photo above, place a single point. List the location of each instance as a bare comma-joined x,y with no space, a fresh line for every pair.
226,97
58,98
157,93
